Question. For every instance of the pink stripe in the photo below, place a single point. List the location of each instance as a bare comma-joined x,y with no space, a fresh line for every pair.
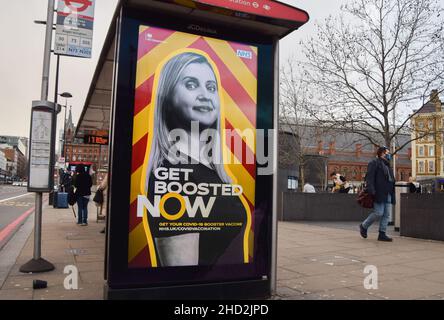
250,63
10,228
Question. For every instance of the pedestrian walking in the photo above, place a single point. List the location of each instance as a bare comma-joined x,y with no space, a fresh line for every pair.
83,183
103,186
381,185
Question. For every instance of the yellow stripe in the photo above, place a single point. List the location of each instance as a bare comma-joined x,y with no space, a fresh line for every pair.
140,124
135,184
148,63
244,179
251,243
142,29
238,119
247,229
149,238
137,241
254,49
236,66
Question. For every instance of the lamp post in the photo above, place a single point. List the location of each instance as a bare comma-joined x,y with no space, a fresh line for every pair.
65,95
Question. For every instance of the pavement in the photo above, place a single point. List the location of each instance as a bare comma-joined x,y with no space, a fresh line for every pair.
315,261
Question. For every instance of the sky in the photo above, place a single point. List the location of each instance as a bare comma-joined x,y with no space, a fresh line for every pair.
21,57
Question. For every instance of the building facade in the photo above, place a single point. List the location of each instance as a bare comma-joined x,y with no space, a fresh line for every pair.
3,172
330,150
20,143
75,150
428,140
16,163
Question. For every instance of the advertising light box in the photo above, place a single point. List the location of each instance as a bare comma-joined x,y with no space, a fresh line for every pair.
192,191
189,205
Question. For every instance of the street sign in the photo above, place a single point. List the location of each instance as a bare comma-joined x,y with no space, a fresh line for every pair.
41,151
74,31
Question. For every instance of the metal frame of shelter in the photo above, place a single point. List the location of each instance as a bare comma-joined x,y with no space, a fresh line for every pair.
106,113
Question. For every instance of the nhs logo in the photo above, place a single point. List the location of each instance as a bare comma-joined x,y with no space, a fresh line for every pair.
244,54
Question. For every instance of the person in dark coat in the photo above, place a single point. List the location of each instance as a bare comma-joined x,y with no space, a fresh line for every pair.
381,185
83,183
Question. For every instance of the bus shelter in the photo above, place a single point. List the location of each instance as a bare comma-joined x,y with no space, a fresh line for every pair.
187,92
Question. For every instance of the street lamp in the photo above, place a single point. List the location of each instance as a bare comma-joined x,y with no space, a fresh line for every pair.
65,95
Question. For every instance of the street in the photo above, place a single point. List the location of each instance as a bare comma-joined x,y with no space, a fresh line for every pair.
15,206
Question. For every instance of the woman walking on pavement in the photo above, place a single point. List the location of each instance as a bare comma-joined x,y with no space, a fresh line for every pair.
83,183
381,185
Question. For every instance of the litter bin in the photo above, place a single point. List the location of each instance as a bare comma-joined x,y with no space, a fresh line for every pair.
400,187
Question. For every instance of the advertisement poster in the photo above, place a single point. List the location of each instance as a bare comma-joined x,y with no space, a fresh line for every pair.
193,151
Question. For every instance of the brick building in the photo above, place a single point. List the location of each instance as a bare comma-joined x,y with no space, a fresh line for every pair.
327,150
16,163
428,155
76,150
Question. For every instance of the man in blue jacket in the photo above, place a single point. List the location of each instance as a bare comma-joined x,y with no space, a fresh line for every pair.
381,185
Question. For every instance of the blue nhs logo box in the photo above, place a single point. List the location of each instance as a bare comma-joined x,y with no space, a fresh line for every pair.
244,54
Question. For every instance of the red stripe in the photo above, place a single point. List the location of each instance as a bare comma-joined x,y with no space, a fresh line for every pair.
250,63
4,234
142,260
142,97
134,220
229,82
246,152
139,153
147,43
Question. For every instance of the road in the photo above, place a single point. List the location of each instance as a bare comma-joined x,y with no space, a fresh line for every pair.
15,205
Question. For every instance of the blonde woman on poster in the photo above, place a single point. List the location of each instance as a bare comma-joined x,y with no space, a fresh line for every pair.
202,216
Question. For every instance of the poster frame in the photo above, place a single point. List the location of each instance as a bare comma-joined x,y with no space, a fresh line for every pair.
43,106
133,283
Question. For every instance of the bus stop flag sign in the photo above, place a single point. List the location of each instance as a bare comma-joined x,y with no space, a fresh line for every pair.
74,31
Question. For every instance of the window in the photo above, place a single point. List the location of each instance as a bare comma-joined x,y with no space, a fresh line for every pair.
292,183
431,166
420,125
431,151
430,124
430,137
421,151
421,166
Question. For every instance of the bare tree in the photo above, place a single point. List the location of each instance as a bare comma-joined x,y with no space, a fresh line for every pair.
370,73
301,130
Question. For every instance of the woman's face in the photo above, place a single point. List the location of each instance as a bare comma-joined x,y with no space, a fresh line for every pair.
195,96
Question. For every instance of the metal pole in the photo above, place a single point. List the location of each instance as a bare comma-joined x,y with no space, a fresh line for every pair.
56,90
275,173
64,128
394,144
37,264
43,96
47,52
56,95
38,226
